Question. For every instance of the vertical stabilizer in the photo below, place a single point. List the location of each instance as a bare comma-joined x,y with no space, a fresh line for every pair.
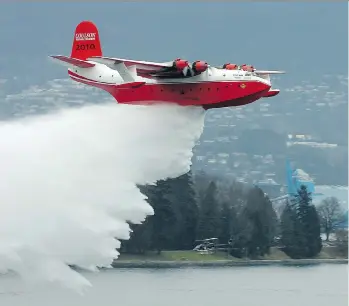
86,41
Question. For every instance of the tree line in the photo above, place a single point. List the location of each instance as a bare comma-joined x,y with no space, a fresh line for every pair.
198,206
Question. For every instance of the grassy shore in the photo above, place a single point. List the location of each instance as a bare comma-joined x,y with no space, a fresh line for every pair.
169,259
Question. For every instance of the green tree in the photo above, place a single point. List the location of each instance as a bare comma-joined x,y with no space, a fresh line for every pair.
300,227
243,212
259,218
291,234
174,223
164,220
237,196
309,222
140,240
313,230
226,218
240,234
183,198
208,226
201,181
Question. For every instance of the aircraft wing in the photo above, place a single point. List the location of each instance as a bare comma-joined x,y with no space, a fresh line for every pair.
269,72
143,68
110,61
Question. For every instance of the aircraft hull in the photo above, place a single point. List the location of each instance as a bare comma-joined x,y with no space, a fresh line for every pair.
205,94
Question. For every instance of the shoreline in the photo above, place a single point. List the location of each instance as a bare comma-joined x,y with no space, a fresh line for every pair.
149,264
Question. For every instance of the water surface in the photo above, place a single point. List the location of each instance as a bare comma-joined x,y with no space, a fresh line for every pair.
321,285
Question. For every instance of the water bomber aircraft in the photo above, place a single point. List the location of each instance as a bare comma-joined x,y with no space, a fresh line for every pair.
179,81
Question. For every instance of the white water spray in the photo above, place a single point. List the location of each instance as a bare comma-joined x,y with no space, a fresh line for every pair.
68,183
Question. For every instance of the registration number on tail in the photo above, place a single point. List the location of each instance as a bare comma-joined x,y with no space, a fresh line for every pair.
81,47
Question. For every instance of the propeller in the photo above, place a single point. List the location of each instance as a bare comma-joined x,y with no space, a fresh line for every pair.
188,70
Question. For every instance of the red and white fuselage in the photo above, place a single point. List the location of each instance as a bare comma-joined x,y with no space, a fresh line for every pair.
141,82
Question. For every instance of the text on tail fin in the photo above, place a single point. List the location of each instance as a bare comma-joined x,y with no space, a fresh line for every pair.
86,41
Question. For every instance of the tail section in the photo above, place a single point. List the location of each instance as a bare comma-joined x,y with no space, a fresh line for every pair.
86,41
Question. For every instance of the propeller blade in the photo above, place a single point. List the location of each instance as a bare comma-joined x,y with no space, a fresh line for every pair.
188,70
185,71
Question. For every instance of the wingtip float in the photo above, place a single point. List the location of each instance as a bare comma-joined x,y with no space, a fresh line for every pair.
142,82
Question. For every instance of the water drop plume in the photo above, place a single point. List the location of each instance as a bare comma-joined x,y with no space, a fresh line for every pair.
68,183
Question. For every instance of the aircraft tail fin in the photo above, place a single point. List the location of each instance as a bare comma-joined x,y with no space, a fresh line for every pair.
86,41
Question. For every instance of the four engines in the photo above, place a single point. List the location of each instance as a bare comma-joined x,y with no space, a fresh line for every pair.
200,66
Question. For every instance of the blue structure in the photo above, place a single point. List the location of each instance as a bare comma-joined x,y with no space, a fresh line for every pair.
297,178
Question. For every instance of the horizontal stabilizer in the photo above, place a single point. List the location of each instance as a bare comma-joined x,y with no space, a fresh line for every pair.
129,85
69,61
125,73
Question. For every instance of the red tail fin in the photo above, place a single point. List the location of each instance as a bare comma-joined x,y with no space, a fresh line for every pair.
86,41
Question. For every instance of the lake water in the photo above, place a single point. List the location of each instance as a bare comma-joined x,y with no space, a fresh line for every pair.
321,285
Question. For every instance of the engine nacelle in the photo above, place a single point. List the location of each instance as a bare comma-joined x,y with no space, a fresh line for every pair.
180,64
199,66
247,68
229,66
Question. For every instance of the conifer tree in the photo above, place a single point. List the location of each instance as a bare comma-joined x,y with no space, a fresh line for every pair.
208,226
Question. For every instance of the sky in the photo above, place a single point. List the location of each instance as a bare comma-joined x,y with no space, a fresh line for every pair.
301,38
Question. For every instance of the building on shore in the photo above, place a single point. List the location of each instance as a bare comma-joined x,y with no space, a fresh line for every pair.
295,178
